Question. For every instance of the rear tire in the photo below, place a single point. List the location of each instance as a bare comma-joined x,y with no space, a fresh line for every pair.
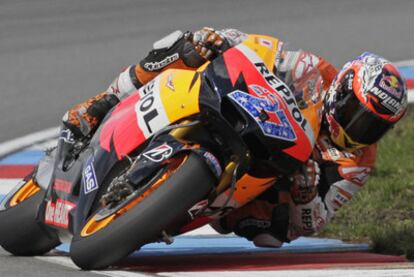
21,233
144,222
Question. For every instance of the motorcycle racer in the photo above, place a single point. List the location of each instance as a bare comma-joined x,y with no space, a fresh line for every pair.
363,101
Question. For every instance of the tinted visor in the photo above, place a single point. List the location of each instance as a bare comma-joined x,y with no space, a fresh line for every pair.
359,123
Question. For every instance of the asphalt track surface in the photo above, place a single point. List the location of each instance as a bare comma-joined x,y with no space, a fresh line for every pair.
56,53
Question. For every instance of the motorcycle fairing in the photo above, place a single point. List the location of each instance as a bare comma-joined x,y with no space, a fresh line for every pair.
228,74
171,96
270,49
163,148
241,60
247,189
267,48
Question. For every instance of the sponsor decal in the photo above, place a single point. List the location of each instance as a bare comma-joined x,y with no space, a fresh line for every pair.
284,90
374,63
67,136
265,42
62,185
307,221
213,163
90,183
154,66
150,110
312,218
254,70
57,214
170,83
386,100
337,197
340,200
334,127
334,153
159,153
305,64
350,81
147,89
357,175
276,124
391,85
134,119
329,151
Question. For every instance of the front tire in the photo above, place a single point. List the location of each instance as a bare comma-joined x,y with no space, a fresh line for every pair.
143,223
21,233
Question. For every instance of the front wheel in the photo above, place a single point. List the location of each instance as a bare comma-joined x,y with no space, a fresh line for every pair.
103,242
20,232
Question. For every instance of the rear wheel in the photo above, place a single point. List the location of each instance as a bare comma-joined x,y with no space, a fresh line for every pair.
20,232
102,242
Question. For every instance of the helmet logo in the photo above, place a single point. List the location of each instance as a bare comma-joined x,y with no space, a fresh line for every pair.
392,85
387,101
350,81
305,64
370,66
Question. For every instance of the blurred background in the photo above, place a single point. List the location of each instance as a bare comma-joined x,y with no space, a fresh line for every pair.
56,53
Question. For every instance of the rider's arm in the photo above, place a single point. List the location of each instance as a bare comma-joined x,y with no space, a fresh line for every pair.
342,175
297,66
179,51
176,50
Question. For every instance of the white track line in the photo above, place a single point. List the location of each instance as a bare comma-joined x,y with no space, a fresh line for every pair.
26,141
410,95
7,184
349,272
43,145
404,63
67,262
300,273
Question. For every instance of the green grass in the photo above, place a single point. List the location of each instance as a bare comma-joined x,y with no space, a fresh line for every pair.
382,213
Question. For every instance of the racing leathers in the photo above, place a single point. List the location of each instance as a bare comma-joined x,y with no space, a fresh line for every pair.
328,181
313,194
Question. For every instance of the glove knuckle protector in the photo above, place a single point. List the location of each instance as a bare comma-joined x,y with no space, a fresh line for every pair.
171,48
304,183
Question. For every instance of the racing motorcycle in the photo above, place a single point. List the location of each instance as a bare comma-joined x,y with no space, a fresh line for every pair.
182,151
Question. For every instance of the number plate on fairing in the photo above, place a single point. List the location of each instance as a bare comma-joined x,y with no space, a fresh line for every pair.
276,124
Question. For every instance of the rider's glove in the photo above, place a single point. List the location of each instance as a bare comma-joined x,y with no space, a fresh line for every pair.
304,183
307,219
209,43
83,118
